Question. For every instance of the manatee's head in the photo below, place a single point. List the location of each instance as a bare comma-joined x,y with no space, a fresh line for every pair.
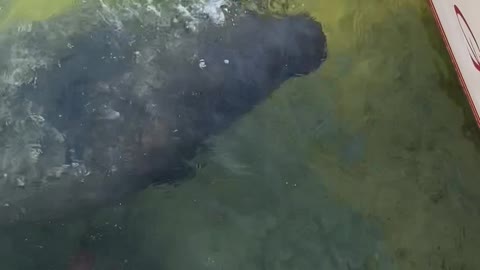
301,42
244,63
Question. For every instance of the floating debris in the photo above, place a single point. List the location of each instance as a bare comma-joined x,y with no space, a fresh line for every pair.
20,181
202,64
108,113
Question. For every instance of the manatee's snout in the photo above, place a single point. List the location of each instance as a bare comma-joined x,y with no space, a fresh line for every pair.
303,44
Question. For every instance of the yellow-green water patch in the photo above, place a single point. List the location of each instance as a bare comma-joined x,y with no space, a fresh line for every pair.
34,10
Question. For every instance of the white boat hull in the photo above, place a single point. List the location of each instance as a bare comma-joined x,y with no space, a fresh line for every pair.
459,23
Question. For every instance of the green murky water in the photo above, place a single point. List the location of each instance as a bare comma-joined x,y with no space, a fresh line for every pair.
370,163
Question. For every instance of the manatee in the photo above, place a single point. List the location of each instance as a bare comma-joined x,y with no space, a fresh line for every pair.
126,109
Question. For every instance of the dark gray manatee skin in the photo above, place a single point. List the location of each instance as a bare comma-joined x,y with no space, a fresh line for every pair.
133,118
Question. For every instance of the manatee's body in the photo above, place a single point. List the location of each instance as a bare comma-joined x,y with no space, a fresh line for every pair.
133,114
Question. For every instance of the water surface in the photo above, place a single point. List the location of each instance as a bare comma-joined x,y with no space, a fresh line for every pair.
370,163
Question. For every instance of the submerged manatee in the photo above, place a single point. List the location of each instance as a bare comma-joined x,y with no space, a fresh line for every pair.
134,111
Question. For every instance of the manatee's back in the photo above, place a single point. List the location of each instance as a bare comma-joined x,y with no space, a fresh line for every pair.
234,68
